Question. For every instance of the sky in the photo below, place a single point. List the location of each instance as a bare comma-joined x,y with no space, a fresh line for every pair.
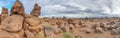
70,8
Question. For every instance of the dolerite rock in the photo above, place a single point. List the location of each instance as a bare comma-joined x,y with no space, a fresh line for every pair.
99,30
5,34
36,11
71,27
32,21
4,11
17,8
12,23
114,32
32,24
4,14
29,34
88,30
49,32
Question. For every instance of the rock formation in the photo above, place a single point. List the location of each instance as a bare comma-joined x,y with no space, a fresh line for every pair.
19,24
4,13
12,26
36,11
17,8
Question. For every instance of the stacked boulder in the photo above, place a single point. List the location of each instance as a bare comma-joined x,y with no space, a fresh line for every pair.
17,8
19,25
36,11
32,23
4,13
11,26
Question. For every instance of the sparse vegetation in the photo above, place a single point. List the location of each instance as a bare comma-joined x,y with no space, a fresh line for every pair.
67,35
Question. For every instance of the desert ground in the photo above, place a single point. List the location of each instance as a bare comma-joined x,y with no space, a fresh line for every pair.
83,27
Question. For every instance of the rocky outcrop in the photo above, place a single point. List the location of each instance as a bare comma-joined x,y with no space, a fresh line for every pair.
12,23
19,24
17,8
12,27
36,11
4,13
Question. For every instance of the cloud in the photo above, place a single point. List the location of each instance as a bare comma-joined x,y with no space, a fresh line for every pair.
5,2
74,8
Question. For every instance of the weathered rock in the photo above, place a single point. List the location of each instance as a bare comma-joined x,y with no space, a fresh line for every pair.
4,11
36,11
70,21
65,29
118,29
71,27
35,28
4,34
114,32
40,34
99,30
57,30
102,25
17,8
49,31
12,23
32,21
87,30
29,34
4,14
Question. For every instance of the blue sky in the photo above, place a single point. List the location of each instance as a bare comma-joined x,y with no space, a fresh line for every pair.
70,8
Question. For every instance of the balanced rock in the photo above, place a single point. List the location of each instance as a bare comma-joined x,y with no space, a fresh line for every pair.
32,21
17,8
36,11
4,13
12,23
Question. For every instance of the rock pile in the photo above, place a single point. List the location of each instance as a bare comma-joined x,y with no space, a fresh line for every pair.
19,24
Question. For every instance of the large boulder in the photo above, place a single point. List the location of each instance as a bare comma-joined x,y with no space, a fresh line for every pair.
4,14
29,34
12,23
17,8
36,11
32,21
5,34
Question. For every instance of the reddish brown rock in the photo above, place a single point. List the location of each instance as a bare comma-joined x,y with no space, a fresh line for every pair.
87,30
29,34
4,11
35,28
4,14
4,34
32,21
99,30
36,11
17,8
12,23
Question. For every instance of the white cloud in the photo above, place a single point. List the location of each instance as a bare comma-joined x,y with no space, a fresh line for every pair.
116,7
4,2
75,8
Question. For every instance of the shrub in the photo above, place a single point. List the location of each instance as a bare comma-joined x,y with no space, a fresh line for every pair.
67,35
